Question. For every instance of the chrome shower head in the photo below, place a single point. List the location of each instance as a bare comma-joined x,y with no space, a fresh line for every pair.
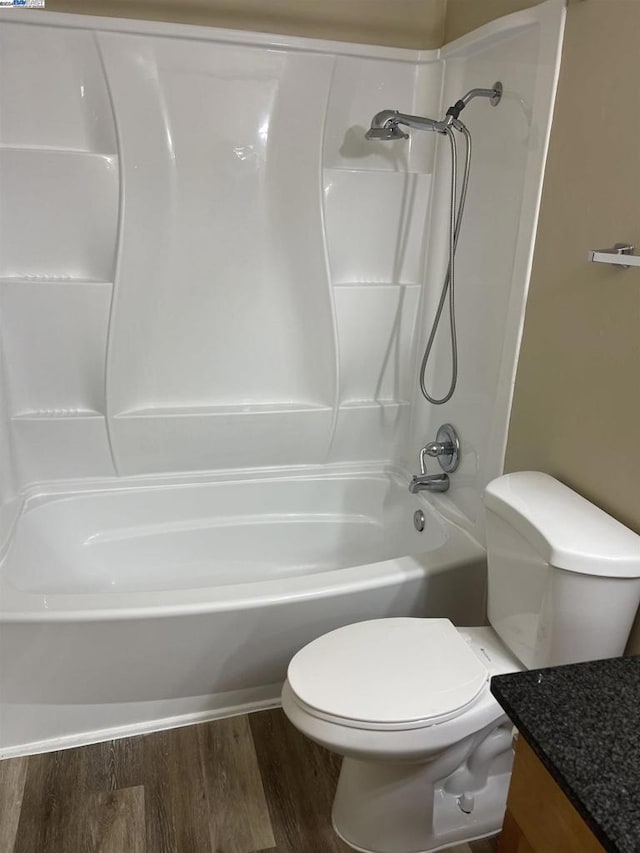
385,125
389,132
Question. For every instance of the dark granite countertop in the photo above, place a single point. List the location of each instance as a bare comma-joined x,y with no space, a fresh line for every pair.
583,722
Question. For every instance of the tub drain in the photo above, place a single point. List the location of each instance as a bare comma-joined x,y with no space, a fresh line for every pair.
418,520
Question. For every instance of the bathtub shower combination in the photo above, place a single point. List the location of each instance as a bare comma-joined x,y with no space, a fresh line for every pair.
215,293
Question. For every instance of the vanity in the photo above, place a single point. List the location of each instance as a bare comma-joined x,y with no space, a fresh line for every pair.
575,786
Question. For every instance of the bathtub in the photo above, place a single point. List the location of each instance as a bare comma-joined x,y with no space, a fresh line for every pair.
126,609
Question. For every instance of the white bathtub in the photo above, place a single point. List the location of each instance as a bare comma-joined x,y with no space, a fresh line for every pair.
130,609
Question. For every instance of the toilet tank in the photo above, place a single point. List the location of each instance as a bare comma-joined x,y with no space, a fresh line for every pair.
564,576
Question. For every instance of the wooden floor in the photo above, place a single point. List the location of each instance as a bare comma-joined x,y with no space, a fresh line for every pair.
239,785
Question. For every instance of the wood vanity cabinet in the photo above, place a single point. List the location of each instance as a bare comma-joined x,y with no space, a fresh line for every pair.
540,818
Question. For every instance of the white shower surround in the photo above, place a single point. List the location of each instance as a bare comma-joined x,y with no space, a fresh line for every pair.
185,311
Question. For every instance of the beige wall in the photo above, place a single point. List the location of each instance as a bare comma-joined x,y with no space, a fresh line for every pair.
404,23
576,412
466,15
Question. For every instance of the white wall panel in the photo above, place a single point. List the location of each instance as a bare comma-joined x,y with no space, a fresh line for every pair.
362,87
58,214
161,440
375,337
227,191
222,296
370,431
61,447
214,305
55,337
52,90
376,225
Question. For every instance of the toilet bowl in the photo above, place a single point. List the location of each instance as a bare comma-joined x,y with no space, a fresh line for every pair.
427,750
406,702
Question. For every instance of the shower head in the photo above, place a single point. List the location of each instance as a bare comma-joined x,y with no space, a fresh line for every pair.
391,131
385,125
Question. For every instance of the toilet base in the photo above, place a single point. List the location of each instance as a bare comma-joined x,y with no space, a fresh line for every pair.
383,808
445,846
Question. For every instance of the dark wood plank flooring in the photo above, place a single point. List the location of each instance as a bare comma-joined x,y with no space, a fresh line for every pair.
249,784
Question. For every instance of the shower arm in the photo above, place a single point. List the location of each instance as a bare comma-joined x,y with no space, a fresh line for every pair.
390,119
494,95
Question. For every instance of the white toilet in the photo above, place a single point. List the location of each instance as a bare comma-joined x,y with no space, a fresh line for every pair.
427,750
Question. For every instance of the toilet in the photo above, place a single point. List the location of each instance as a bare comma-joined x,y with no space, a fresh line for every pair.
427,751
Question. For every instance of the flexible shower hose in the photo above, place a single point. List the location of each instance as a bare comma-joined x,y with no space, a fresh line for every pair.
449,286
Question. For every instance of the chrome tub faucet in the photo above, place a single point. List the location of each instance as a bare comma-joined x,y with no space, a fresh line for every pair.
429,483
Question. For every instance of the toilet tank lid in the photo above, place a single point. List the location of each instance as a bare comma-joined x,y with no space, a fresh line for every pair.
567,530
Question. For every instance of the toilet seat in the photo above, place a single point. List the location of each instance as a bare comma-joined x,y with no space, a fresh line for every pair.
388,674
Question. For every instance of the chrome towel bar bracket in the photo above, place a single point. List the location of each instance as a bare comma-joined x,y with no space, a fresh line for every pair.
621,255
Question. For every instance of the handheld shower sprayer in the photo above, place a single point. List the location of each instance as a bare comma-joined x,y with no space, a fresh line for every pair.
386,125
390,131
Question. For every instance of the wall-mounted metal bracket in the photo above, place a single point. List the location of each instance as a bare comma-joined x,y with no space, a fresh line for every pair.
621,255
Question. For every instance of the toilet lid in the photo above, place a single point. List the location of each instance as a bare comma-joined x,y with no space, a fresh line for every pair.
388,671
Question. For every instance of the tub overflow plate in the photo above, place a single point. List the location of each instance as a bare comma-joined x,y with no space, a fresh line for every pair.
418,520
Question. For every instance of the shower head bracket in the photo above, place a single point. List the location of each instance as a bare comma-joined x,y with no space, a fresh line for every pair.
498,91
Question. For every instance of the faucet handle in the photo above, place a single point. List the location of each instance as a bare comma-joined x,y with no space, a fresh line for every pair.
446,449
438,448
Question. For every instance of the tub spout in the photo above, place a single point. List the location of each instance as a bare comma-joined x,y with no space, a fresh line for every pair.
429,483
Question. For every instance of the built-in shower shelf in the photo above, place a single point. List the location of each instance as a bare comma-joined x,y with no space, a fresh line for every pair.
57,414
53,280
53,149
373,404
371,284
373,169
223,410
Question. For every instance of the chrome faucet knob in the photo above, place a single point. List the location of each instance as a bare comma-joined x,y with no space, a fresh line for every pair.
446,449
439,448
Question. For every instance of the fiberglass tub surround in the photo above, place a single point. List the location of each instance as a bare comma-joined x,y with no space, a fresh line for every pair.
207,283
213,291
